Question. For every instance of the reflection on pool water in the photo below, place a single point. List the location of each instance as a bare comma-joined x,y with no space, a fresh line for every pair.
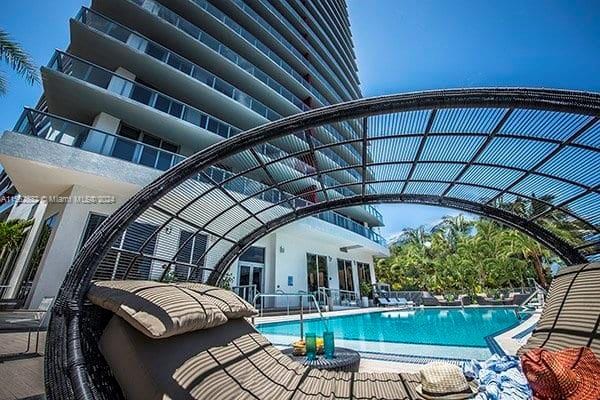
466,327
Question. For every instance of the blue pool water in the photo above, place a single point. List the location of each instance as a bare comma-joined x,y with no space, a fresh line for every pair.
451,327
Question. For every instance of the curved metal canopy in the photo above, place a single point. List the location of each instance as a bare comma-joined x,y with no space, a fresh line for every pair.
523,157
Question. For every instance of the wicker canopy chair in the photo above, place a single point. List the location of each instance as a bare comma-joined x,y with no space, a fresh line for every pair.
571,315
444,148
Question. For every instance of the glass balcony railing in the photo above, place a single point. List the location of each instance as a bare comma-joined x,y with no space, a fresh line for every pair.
73,134
306,28
324,36
218,14
252,14
198,34
285,42
256,43
114,83
192,30
105,79
161,53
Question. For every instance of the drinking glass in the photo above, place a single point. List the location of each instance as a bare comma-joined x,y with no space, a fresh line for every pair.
328,344
311,345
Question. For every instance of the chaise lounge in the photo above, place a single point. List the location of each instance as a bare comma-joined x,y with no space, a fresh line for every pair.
232,360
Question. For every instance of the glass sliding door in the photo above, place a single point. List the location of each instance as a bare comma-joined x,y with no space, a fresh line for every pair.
251,273
316,267
345,275
250,276
37,254
364,272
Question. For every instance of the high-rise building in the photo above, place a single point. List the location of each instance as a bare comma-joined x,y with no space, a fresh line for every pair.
144,84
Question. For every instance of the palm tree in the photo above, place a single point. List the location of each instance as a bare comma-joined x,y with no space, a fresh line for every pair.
454,228
12,53
12,233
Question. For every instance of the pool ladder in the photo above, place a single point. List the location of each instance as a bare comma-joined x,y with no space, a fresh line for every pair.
299,295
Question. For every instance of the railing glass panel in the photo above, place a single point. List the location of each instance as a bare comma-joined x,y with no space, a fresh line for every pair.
260,46
198,34
153,49
105,79
74,134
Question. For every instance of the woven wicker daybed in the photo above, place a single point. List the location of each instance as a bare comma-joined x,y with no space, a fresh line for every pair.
233,361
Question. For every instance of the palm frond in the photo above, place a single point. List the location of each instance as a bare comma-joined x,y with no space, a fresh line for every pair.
3,84
12,53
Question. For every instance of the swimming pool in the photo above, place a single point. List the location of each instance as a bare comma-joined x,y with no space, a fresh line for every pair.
446,332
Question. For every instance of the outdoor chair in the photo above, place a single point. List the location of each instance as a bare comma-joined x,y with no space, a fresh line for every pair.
488,301
429,300
26,321
571,315
401,301
384,301
228,361
233,360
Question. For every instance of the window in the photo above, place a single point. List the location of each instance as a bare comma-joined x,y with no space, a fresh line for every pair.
124,256
316,268
254,254
37,254
364,272
93,222
345,275
191,248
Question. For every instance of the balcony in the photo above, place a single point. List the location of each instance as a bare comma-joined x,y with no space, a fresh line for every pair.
144,45
192,30
80,69
198,34
73,134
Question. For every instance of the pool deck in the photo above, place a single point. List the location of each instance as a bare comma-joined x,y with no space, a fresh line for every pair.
396,357
511,340
21,377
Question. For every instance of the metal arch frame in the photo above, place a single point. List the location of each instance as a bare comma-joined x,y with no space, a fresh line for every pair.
64,344
547,238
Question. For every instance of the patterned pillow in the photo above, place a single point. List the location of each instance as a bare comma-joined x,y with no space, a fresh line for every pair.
232,305
156,309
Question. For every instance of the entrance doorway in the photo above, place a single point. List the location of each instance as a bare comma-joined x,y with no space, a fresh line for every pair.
316,268
250,280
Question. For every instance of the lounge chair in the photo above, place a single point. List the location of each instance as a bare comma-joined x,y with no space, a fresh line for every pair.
428,300
571,315
234,361
227,361
401,301
384,301
488,301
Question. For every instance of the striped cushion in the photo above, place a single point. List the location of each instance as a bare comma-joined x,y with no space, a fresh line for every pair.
572,312
158,310
232,305
380,386
320,384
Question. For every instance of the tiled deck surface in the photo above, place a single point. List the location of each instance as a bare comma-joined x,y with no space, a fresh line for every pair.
20,377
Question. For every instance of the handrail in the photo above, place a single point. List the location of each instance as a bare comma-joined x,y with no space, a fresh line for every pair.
247,291
539,293
299,295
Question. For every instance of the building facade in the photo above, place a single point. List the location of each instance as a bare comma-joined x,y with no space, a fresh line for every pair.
144,84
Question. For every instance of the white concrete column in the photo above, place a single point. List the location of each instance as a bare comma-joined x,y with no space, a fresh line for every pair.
106,123
66,239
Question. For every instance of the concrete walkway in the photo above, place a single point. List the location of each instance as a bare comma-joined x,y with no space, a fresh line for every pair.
21,377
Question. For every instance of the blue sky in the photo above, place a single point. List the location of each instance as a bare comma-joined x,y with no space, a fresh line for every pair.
401,46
